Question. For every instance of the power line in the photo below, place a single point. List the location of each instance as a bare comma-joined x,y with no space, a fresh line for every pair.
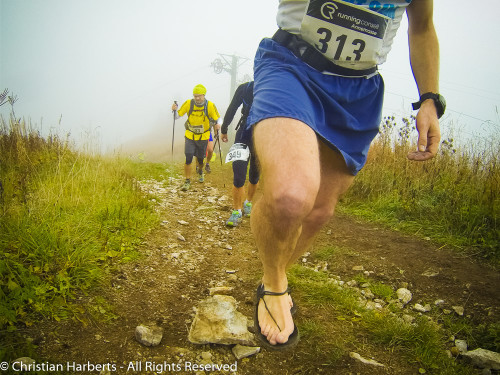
448,109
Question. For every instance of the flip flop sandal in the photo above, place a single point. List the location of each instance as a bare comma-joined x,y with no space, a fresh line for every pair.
293,309
293,339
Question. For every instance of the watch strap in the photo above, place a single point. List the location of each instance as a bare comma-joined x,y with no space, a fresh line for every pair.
423,97
439,102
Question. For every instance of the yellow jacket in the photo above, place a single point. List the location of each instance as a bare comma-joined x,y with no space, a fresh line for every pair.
198,124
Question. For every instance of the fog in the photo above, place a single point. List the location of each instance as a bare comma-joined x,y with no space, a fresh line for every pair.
107,71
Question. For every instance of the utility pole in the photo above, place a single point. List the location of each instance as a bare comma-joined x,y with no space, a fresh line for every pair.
230,64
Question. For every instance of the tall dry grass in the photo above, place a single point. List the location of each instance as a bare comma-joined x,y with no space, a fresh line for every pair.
66,219
452,198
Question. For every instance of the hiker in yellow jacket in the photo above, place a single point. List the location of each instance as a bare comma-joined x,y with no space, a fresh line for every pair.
202,116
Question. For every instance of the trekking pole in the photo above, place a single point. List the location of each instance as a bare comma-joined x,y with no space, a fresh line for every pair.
173,130
220,152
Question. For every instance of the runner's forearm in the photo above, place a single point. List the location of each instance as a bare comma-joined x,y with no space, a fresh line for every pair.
424,46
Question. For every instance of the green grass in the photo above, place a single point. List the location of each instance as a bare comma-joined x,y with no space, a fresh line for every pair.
485,334
331,252
67,219
422,343
320,339
319,291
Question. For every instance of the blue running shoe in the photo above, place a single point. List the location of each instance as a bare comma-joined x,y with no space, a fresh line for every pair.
247,209
235,219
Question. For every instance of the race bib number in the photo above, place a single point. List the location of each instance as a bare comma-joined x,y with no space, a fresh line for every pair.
196,129
343,31
238,151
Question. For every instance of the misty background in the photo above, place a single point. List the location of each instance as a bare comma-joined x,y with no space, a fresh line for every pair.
108,71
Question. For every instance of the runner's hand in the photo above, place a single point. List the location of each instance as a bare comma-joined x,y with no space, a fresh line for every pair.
429,134
224,137
174,107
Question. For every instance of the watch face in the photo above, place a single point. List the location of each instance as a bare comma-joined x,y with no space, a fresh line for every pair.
441,99
440,105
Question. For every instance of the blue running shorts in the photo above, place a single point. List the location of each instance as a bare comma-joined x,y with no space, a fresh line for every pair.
345,112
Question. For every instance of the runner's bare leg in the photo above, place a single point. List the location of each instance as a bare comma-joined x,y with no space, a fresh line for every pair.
292,209
251,189
238,195
335,181
187,171
277,217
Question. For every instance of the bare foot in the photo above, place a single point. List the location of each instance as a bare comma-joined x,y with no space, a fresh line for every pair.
276,321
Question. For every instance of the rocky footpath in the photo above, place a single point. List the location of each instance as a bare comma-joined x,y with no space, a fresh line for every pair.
186,304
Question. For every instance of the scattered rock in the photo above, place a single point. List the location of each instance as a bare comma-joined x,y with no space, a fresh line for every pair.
404,295
459,310
222,199
483,358
180,237
206,356
241,351
368,294
370,362
358,268
430,273
217,321
204,208
321,266
182,222
408,318
370,305
23,361
224,290
423,309
149,334
461,346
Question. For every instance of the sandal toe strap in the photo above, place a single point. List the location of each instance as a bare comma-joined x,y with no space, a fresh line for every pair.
276,294
262,293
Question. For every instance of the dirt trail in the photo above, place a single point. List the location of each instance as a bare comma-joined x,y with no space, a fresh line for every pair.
174,275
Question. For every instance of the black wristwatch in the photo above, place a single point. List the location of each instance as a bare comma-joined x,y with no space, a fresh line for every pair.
439,102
